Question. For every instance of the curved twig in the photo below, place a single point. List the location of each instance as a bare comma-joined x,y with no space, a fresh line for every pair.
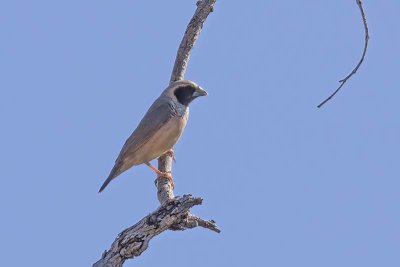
343,81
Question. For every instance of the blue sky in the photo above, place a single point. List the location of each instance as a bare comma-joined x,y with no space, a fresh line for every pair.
288,184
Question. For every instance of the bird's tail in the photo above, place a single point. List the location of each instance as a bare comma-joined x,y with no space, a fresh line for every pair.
114,173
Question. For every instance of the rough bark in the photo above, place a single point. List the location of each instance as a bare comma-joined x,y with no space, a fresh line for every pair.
134,240
173,214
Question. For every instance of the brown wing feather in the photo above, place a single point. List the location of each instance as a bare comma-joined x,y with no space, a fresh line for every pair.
157,115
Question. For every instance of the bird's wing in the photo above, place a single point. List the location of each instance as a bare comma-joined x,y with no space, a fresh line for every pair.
157,115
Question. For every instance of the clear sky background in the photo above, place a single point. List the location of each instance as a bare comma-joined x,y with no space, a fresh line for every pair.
288,184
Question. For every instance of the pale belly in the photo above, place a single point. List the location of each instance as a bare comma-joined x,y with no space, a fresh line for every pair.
162,141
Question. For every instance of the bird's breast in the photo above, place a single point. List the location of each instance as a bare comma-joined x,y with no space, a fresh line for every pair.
165,138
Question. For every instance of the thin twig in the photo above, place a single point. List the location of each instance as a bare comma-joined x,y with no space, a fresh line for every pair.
343,81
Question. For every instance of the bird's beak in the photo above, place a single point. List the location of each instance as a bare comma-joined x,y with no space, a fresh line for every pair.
200,92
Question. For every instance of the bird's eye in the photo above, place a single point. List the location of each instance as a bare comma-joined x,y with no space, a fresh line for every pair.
184,94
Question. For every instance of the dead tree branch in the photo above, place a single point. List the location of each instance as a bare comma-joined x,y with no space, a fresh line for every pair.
173,214
134,240
343,81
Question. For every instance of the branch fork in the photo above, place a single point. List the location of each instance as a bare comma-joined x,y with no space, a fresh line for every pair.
172,215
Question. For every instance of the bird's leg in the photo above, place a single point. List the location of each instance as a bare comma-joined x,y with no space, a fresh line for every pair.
171,154
152,167
166,175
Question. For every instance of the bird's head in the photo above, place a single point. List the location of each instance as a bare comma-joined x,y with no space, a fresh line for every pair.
185,91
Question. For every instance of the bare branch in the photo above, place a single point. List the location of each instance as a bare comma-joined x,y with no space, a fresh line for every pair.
173,214
134,240
204,8
343,81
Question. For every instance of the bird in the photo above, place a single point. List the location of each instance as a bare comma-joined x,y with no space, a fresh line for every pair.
159,130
